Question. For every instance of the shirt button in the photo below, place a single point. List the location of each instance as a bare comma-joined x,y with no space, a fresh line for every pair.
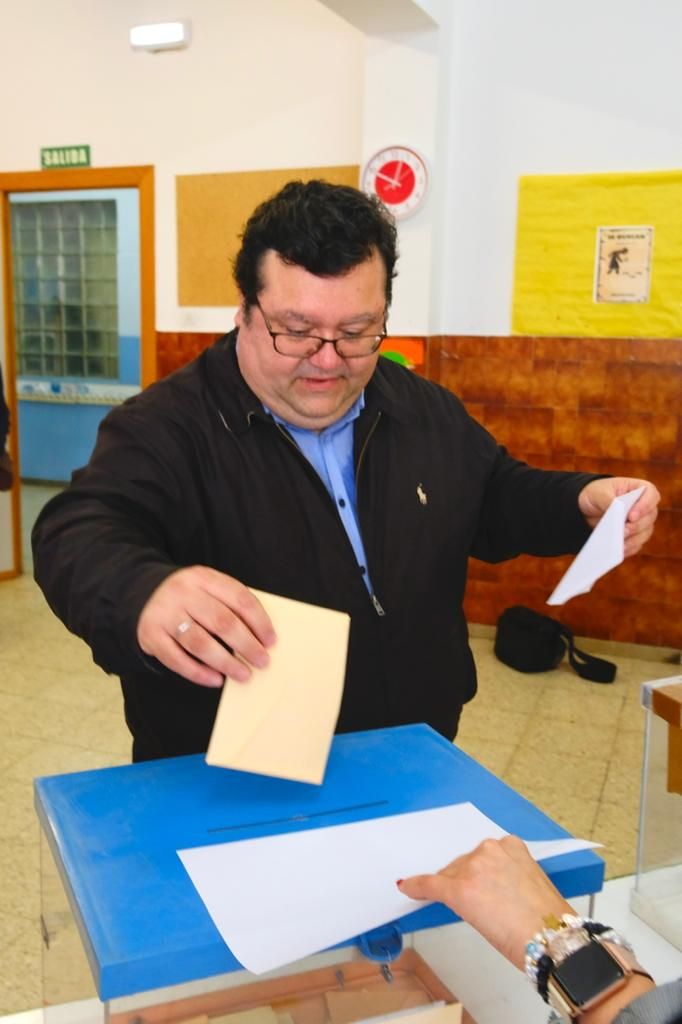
342,503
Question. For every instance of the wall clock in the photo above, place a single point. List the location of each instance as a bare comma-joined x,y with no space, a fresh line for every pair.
399,177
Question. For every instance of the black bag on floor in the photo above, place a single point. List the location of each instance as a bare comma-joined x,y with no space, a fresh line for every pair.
531,642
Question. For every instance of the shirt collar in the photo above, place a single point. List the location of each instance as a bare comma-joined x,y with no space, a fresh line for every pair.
333,428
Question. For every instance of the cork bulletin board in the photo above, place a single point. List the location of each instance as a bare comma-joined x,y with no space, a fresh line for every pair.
599,255
211,212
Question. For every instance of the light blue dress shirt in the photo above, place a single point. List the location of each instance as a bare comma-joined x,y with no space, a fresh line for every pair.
330,453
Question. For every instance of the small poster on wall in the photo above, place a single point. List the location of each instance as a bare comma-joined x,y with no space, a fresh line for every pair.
623,264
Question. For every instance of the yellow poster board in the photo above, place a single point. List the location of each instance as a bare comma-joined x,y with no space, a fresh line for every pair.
212,210
599,255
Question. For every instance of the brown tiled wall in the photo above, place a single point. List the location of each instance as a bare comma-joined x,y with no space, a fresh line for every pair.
607,405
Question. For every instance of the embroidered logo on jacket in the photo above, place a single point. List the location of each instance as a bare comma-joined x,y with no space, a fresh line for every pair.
421,494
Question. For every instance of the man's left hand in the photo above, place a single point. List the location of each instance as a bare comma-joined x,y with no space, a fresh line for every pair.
595,498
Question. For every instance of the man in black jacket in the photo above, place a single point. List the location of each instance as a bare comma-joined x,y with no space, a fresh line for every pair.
290,458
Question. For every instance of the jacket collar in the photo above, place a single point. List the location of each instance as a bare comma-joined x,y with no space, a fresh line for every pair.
387,393
238,405
234,399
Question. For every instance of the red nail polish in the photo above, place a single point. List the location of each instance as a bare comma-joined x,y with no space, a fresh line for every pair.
400,881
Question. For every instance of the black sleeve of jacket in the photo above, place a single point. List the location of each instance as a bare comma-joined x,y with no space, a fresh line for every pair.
102,547
529,511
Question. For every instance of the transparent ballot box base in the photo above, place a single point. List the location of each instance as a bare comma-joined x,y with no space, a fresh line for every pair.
66,974
657,895
342,992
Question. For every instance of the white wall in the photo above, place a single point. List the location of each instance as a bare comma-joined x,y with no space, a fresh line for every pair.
503,88
401,82
270,83
539,86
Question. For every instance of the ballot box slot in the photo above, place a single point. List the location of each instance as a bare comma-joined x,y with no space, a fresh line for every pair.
296,819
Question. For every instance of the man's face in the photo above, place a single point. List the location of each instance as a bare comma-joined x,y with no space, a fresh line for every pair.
313,392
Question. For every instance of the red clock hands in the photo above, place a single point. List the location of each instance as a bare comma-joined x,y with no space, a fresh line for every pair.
395,181
399,177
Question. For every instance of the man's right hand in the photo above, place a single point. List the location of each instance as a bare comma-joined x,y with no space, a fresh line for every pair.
180,621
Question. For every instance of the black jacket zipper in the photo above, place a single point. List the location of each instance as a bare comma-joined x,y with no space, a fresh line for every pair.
374,599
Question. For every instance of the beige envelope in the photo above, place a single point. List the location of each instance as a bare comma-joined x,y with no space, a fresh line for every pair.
281,721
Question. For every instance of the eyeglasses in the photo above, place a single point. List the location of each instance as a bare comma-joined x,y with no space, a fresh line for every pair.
302,345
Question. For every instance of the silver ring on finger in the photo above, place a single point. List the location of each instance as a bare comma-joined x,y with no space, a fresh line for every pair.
182,628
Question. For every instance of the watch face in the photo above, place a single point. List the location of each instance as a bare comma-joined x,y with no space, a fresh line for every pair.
398,176
588,973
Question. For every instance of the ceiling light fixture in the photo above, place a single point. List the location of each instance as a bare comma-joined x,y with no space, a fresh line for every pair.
165,35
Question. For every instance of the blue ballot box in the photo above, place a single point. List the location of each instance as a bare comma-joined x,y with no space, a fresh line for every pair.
113,834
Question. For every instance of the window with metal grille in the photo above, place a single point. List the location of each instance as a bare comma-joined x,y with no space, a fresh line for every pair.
65,281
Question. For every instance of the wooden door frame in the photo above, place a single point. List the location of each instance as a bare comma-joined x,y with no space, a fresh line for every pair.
141,178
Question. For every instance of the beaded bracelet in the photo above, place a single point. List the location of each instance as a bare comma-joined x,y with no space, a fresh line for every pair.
561,937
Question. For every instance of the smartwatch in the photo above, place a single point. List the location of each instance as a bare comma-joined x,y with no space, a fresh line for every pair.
588,976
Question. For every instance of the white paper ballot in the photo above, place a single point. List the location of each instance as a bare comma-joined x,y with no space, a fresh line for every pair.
602,551
279,898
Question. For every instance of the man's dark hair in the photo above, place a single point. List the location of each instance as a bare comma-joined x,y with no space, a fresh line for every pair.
326,229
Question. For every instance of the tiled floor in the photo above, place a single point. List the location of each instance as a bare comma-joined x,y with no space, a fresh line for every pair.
572,747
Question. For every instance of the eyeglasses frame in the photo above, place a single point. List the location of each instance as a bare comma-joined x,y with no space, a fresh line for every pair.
322,341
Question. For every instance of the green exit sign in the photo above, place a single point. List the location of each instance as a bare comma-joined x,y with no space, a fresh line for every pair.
54,157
